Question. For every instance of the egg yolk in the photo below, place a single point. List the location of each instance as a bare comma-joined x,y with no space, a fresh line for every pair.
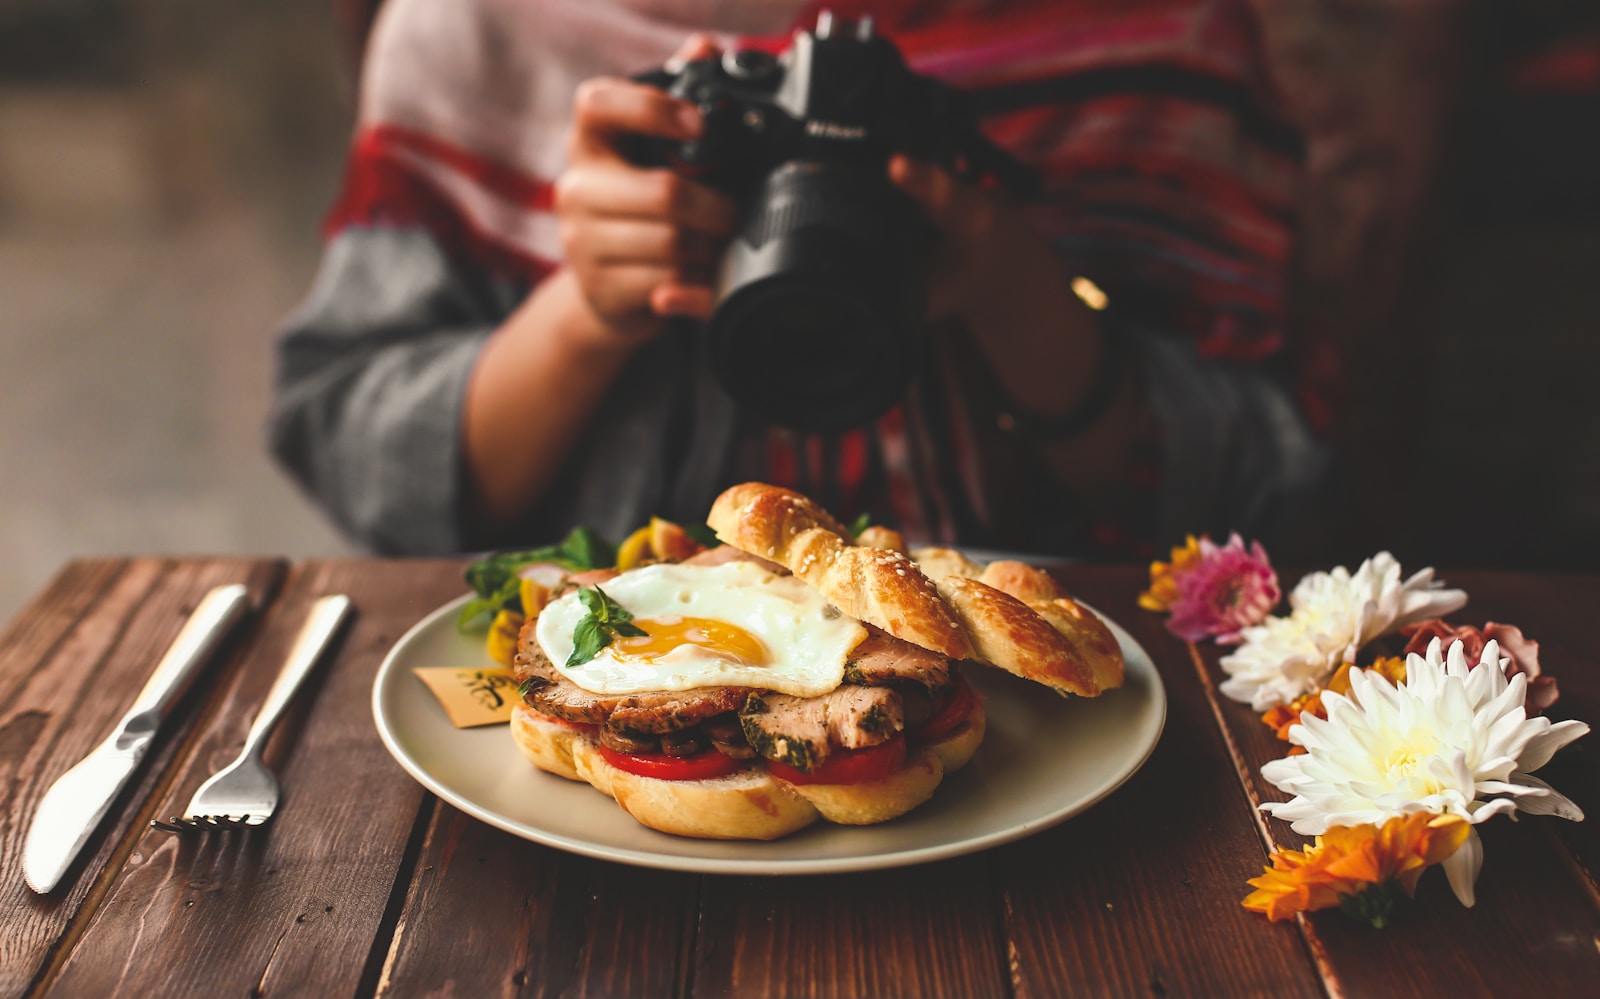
663,634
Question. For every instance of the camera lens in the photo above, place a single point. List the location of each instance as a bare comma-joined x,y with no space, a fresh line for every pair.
819,323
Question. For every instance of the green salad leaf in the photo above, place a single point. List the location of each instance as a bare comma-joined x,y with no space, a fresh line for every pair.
497,586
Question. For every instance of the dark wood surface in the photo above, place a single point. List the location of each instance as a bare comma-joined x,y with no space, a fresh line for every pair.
367,885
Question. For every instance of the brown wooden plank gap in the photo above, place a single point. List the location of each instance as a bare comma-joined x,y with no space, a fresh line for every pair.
208,690
999,900
684,987
386,943
1315,948
68,587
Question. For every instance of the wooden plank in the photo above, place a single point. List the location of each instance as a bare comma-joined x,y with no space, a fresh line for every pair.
920,931
1140,895
1535,924
73,661
50,616
296,907
491,914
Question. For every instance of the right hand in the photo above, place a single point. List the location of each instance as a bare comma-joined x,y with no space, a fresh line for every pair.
641,242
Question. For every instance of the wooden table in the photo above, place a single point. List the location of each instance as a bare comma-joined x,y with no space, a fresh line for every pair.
366,885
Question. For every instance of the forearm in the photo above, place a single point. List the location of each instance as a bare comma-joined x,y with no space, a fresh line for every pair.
1047,350
534,388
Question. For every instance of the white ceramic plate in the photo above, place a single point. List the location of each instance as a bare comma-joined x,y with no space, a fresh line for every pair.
1043,760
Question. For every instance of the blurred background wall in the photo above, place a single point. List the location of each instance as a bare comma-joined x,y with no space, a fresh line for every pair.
164,165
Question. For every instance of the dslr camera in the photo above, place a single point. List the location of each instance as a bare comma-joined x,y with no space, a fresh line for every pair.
821,297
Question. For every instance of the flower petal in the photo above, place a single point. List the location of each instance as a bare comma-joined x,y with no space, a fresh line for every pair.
1462,868
1544,745
1540,798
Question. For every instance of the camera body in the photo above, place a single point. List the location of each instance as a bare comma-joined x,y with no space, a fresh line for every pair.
821,295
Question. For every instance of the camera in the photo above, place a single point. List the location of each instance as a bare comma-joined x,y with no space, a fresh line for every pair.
821,296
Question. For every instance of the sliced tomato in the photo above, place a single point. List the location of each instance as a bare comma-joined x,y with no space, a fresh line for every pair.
700,766
849,766
949,718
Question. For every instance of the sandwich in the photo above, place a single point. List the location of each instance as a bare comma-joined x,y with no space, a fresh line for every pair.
795,672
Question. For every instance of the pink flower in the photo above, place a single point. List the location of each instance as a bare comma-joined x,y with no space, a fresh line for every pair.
1229,588
1523,652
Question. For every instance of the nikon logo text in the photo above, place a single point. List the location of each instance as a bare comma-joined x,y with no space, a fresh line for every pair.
833,130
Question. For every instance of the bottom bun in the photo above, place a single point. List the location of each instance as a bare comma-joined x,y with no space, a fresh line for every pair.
750,803
956,748
876,800
546,742
746,804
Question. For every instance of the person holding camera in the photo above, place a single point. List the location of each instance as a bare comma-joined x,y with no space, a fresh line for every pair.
508,334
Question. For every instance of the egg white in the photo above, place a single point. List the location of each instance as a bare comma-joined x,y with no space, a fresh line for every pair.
809,640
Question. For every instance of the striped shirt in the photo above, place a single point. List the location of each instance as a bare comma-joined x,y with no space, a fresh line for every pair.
1167,179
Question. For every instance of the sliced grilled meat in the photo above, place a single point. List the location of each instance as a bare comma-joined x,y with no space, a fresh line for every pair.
553,694
648,713
673,711
882,660
798,730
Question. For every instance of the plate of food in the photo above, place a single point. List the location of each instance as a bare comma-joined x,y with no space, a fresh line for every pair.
803,699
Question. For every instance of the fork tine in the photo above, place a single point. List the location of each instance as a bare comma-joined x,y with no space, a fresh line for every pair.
203,823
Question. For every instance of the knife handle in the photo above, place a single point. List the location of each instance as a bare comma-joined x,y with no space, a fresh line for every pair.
204,631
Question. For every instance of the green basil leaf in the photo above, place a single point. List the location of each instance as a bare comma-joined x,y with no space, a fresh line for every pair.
703,534
593,601
588,638
861,523
471,611
587,550
626,630
614,612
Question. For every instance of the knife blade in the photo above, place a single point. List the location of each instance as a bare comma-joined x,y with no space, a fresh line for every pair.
72,809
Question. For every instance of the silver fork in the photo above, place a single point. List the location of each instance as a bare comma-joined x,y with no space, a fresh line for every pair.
244,793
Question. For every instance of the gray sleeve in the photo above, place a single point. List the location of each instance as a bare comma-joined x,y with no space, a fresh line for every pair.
1237,453
371,373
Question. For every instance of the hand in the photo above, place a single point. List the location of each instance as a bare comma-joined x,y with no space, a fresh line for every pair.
641,242
984,247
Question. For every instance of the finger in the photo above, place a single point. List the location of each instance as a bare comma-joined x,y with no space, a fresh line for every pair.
931,187
697,46
629,240
619,190
678,299
623,290
605,107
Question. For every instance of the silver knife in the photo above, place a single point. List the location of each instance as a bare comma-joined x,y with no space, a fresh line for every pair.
79,798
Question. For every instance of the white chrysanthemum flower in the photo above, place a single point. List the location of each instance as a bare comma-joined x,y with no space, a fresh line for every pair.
1452,739
1332,615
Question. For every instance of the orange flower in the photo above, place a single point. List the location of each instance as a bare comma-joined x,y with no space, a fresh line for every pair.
1280,718
1163,576
1356,867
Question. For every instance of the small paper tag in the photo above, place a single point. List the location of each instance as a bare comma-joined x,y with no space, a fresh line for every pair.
470,696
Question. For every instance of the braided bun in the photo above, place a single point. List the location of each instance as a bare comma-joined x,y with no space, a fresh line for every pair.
881,587
1007,614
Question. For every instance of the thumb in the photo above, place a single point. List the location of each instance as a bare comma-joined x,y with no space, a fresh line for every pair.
697,46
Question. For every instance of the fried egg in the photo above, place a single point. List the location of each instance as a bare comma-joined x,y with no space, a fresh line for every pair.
706,626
